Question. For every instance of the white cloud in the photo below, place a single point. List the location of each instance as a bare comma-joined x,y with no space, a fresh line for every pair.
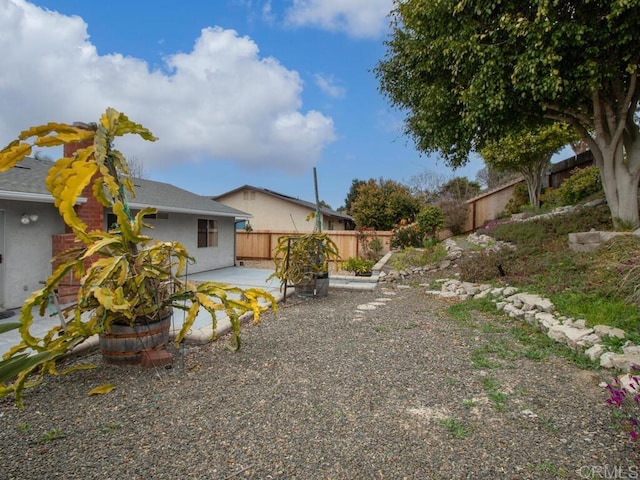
328,86
358,18
219,101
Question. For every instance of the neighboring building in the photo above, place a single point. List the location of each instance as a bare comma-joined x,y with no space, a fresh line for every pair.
274,211
32,231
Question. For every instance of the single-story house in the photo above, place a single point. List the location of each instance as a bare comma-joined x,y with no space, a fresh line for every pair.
32,231
275,211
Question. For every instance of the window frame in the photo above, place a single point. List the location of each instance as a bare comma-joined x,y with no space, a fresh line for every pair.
207,233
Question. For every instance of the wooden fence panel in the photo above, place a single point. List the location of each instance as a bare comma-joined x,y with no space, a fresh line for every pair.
259,244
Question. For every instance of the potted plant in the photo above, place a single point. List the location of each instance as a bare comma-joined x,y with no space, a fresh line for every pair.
361,267
125,277
303,261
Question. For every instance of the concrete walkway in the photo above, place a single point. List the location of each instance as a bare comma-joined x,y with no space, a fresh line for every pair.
202,331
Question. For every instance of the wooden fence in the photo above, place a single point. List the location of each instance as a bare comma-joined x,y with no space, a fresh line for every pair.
259,244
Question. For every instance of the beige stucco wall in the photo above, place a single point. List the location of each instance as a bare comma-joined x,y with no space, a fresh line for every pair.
272,213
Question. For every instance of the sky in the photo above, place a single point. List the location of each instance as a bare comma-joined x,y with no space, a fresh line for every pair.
238,92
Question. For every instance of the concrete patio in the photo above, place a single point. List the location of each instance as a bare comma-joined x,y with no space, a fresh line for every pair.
202,331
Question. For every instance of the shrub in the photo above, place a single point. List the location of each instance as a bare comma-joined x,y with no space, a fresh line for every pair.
413,257
455,213
357,265
580,185
429,220
487,265
520,199
370,244
406,235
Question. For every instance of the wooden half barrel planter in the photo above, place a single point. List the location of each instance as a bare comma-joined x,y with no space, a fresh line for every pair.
131,344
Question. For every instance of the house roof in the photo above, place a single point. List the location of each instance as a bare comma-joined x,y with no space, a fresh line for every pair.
26,182
312,206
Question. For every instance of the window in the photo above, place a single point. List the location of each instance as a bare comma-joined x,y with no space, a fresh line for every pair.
207,233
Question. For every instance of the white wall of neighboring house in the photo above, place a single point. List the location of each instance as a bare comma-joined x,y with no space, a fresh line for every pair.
27,249
183,228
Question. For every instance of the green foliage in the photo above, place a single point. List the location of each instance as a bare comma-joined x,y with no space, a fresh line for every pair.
429,220
383,203
357,265
467,73
53,434
298,257
454,427
582,183
600,287
370,244
412,257
125,277
406,235
352,194
519,199
415,234
528,152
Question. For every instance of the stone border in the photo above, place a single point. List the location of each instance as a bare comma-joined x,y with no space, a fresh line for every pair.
540,312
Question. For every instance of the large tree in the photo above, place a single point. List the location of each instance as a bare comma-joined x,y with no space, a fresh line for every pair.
458,188
468,71
352,194
529,153
381,204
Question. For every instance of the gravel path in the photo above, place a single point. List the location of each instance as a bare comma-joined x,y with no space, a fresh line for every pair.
394,389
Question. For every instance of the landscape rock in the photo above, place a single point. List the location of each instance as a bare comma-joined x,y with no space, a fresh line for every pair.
569,335
594,352
546,320
631,349
605,330
625,361
529,301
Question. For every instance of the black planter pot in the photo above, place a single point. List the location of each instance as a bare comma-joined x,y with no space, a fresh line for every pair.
316,286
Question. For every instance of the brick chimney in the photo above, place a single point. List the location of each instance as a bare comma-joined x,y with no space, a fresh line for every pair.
91,213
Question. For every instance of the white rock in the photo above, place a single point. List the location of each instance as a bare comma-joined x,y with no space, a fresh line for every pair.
589,340
594,352
568,335
448,294
530,317
624,361
433,292
631,350
606,360
606,330
366,306
546,320
631,384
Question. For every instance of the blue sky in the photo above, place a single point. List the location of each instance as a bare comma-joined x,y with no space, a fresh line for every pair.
239,92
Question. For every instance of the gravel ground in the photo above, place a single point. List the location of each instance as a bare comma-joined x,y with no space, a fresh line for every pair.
327,390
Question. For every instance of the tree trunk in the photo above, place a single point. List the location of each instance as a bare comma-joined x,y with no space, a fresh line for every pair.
620,174
533,178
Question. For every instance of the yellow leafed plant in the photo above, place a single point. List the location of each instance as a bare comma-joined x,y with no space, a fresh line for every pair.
125,276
